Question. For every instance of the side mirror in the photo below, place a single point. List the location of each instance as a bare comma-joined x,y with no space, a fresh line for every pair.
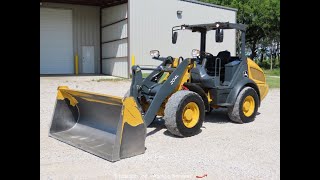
155,54
219,35
174,37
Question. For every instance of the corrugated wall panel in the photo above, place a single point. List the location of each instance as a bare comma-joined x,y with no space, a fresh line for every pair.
116,31
115,49
114,14
86,29
150,28
115,67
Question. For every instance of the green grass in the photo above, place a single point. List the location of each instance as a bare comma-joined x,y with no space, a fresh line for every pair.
273,82
273,72
144,75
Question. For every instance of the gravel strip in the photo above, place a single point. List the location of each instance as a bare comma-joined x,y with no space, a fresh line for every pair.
223,150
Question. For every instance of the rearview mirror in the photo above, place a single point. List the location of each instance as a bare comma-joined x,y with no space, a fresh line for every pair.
219,35
174,37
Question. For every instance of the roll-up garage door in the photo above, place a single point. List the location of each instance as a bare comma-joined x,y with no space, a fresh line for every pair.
115,40
56,49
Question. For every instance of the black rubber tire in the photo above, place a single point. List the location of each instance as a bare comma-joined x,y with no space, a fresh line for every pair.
174,109
235,112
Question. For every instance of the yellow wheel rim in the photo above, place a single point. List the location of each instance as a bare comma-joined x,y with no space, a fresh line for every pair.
248,106
190,115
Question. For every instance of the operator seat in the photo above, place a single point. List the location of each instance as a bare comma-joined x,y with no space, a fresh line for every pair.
225,57
210,64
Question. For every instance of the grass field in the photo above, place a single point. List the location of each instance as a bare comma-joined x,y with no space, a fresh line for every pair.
273,82
144,75
273,72
273,77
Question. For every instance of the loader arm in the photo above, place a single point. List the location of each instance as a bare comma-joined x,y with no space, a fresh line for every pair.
167,88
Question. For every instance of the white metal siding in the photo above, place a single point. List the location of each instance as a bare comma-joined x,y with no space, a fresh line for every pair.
115,49
56,54
114,41
86,30
151,22
116,66
116,31
114,14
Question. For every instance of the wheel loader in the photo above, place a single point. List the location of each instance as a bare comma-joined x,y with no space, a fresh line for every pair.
180,91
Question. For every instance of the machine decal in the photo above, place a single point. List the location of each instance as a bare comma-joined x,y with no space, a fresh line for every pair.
174,79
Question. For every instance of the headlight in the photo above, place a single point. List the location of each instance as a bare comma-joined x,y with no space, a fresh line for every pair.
155,53
195,53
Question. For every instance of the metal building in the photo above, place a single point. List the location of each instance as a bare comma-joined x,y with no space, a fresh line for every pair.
102,36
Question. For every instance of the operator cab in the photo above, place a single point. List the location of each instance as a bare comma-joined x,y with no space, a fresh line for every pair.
221,66
213,71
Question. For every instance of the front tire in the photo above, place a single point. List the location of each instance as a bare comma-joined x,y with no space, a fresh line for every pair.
184,113
246,106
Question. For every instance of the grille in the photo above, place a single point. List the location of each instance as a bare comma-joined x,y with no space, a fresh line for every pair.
257,75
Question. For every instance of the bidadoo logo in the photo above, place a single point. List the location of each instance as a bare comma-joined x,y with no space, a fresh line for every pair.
173,79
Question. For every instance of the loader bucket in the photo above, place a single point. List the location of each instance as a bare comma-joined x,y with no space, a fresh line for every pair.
105,126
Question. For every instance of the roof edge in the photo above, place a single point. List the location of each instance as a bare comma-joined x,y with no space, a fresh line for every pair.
211,5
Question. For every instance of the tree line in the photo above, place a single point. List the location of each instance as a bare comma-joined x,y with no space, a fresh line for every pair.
262,18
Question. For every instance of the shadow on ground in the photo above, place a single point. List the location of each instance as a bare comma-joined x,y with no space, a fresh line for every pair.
157,129
219,116
167,133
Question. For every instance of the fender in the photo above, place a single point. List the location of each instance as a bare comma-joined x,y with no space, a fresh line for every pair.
238,87
197,89
168,87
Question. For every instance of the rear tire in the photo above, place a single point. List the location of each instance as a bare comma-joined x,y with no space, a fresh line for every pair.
245,107
184,113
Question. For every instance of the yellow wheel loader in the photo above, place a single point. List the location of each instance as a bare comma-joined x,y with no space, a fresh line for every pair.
180,90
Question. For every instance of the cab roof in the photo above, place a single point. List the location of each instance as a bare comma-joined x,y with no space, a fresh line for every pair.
214,26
